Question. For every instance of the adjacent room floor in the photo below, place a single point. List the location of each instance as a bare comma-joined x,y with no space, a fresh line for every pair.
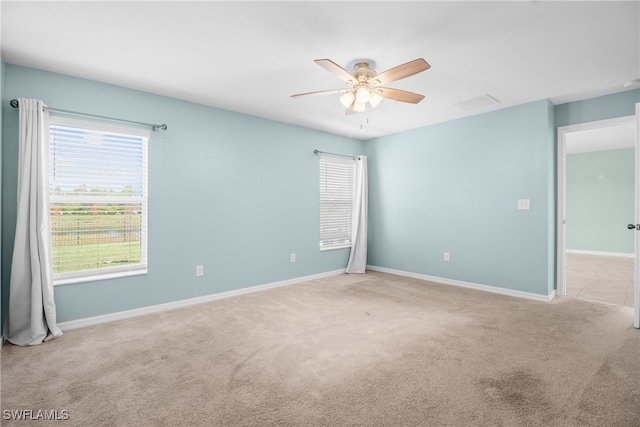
600,278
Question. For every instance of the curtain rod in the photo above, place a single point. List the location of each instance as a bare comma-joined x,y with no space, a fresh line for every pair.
317,152
15,104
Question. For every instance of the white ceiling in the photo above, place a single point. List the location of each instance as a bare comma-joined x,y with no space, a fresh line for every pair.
251,56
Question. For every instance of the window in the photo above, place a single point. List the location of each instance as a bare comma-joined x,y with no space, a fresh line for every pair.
97,200
336,202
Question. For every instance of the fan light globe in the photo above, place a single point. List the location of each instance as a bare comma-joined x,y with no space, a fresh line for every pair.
362,95
358,106
347,99
375,99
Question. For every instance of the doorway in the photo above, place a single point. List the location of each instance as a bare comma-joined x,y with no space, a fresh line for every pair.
601,278
596,200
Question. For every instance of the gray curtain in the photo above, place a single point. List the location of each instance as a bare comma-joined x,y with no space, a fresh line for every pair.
31,318
358,255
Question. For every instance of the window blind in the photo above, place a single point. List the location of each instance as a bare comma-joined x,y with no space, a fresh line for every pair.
336,201
97,200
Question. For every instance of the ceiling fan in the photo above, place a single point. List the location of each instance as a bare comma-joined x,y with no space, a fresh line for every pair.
365,83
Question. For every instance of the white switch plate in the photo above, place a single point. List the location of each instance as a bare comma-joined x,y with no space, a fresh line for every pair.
199,270
293,258
447,257
524,204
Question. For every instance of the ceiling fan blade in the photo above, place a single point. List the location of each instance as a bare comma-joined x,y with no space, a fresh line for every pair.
321,92
401,71
399,95
335,69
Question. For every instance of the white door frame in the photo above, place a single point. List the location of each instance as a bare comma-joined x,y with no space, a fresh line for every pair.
561,242
636,287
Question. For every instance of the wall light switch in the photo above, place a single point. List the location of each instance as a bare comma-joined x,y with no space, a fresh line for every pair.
199,270
524,204
293,258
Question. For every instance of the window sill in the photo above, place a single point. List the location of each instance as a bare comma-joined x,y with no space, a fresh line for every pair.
335,247
99,276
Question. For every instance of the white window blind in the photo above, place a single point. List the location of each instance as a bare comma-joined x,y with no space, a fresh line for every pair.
336,201
98,200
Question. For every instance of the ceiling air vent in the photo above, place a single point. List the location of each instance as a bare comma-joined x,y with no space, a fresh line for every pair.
478,103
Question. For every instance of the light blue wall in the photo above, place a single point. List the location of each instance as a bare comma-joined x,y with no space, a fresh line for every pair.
601,108
453,187
232,192
600,200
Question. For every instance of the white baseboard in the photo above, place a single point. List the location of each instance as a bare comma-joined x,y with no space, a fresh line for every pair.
469,285
601,253
127,314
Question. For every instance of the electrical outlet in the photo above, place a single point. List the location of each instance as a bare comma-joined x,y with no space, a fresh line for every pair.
447,257
199,270
524,204
293,258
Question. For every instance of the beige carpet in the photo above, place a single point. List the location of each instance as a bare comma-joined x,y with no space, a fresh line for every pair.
366,350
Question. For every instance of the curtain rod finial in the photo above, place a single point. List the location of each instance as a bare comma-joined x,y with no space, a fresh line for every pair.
316,152
14,103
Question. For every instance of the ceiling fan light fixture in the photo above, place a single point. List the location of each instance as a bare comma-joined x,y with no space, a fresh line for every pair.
364,83
374,99
362,95
358,106
347,99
